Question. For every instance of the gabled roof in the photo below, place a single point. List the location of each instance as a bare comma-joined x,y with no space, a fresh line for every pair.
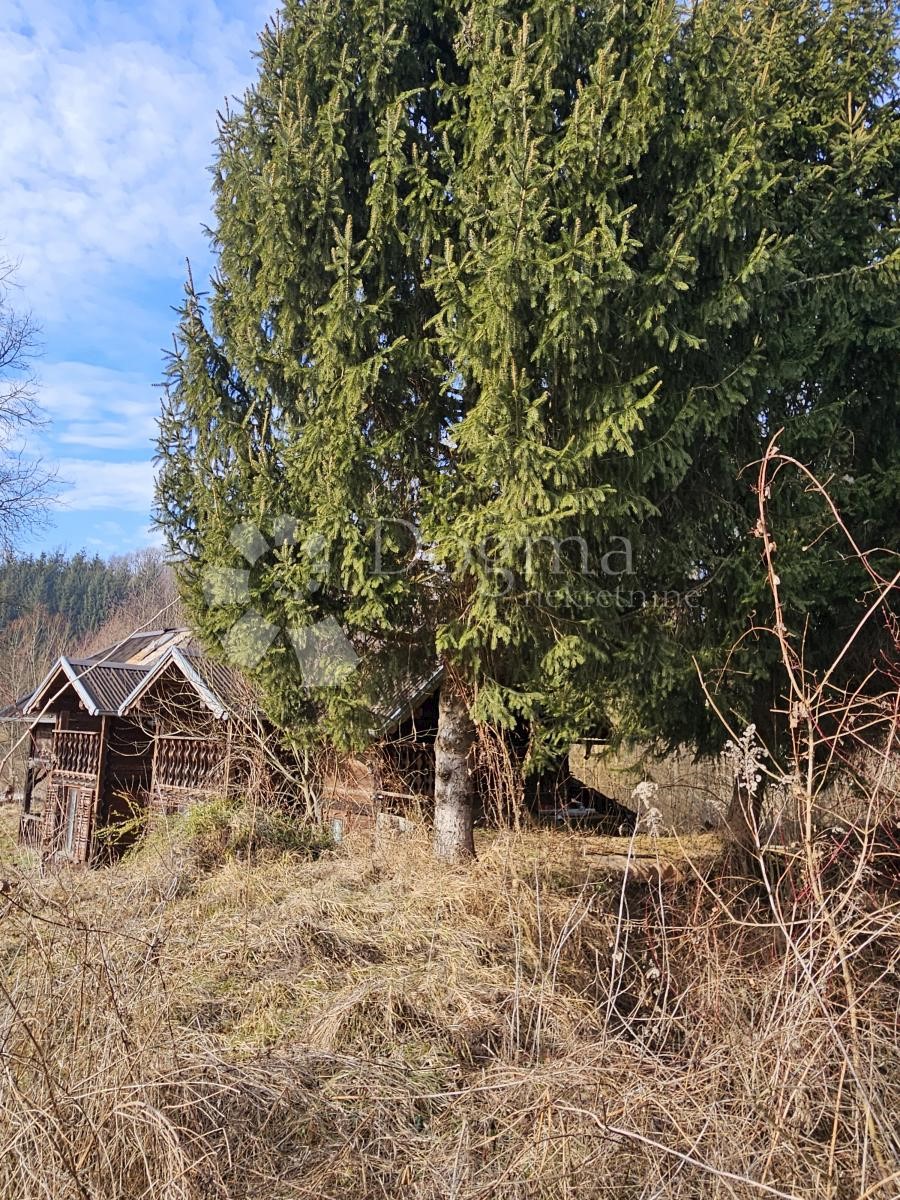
225,692
101,686
101,680
16,712
219,688
412,691
112,682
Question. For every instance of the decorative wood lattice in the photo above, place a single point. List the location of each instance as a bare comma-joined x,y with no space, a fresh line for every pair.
51,817
81,849
76,752
55,831
190,763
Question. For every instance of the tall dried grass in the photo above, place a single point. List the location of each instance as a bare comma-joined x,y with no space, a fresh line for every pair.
370,1024
211,1020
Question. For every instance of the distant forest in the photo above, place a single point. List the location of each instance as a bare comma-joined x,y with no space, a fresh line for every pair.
83,590
52,604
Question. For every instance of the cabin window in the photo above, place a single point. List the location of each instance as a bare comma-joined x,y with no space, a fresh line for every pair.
71,813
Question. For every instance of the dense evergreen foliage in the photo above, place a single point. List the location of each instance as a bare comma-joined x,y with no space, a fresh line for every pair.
83,590
523,273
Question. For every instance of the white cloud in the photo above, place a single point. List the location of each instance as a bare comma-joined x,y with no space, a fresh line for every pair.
98,407
110,537
107,116
107,119
98,485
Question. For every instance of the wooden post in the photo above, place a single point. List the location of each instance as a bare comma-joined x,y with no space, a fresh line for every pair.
227,779
98,808
151,791
29,774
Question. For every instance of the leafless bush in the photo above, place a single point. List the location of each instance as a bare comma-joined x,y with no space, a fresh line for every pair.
499,774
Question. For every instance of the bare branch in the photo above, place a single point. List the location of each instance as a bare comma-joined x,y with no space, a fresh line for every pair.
26,483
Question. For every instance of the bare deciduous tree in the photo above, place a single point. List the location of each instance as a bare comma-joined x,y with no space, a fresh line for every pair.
25,482
151,601
28,645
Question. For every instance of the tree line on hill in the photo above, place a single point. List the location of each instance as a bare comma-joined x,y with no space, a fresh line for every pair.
81,588
55,603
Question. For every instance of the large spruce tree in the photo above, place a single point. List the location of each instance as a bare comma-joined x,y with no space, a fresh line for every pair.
534,280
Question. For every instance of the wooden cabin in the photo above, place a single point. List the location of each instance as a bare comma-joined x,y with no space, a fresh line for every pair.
396,774
139,724
151,725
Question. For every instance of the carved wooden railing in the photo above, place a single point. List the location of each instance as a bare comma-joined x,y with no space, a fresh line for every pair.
76,752
189,763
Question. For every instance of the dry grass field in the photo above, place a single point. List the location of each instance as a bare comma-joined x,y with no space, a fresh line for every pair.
229,1015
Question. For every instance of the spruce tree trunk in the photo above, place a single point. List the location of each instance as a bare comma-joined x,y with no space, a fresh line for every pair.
453,825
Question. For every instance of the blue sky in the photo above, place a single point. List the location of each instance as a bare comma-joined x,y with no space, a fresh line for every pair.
107,117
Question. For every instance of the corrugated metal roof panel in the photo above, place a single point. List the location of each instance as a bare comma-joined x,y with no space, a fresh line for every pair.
227,684
144,648
108,683
410,691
